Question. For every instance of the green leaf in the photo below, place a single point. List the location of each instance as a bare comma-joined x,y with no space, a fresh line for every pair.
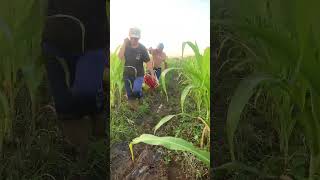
163,80
172,143
163,121
194,47
240,166
4,118
240,98
184,94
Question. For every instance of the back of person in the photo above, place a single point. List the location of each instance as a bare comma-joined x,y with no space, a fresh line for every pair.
75,26
158,58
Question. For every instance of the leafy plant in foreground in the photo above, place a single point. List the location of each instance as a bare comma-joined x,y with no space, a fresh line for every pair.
20,35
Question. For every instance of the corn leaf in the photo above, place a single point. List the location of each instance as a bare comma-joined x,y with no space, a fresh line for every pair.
172,143
240,98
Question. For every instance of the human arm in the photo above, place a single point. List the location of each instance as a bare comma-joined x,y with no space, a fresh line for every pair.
150,50
149,62
123,49
165,61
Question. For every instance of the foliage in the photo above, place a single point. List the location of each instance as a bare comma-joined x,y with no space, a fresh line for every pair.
19,57
282,41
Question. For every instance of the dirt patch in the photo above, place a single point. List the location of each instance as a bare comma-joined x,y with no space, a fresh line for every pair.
148,163
175,173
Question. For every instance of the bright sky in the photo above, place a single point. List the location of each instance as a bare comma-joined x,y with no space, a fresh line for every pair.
168,21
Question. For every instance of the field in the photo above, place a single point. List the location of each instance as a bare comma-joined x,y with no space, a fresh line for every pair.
266,102
169,120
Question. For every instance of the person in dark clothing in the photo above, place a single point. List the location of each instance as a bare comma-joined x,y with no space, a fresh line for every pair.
75,44
134,54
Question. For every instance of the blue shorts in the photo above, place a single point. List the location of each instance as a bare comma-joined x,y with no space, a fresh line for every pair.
76,81
134,87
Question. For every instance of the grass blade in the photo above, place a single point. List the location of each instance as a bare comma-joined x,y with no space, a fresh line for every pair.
240,98
163,121
163,81
184,94
240,166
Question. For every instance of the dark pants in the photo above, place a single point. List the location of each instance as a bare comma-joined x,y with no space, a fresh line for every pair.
76,81
158,72
133,87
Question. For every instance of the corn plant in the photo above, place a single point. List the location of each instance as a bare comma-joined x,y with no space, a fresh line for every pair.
172,143
116,78
20,32
282,40
196,78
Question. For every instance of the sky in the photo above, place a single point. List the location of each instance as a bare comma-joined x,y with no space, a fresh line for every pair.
168,21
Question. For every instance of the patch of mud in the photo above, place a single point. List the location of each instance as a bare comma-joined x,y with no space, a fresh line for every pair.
175,173
148,163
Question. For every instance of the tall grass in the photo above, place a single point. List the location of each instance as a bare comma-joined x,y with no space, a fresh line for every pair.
282,40
20,35
116,78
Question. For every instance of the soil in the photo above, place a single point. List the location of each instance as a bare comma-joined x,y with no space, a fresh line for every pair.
149,160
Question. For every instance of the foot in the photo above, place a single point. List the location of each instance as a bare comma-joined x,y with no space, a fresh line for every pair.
140,101
133,104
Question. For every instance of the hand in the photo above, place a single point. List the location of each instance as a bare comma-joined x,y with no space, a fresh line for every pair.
153,75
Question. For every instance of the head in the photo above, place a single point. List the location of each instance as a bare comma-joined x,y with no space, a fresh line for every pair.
134,36
160,47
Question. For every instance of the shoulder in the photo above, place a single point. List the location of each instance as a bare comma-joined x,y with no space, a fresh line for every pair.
142,47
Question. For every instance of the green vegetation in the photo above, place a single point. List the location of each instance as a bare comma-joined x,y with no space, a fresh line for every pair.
31,144
181,105
274,45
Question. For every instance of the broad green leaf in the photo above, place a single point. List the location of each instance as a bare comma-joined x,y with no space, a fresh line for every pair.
172,143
